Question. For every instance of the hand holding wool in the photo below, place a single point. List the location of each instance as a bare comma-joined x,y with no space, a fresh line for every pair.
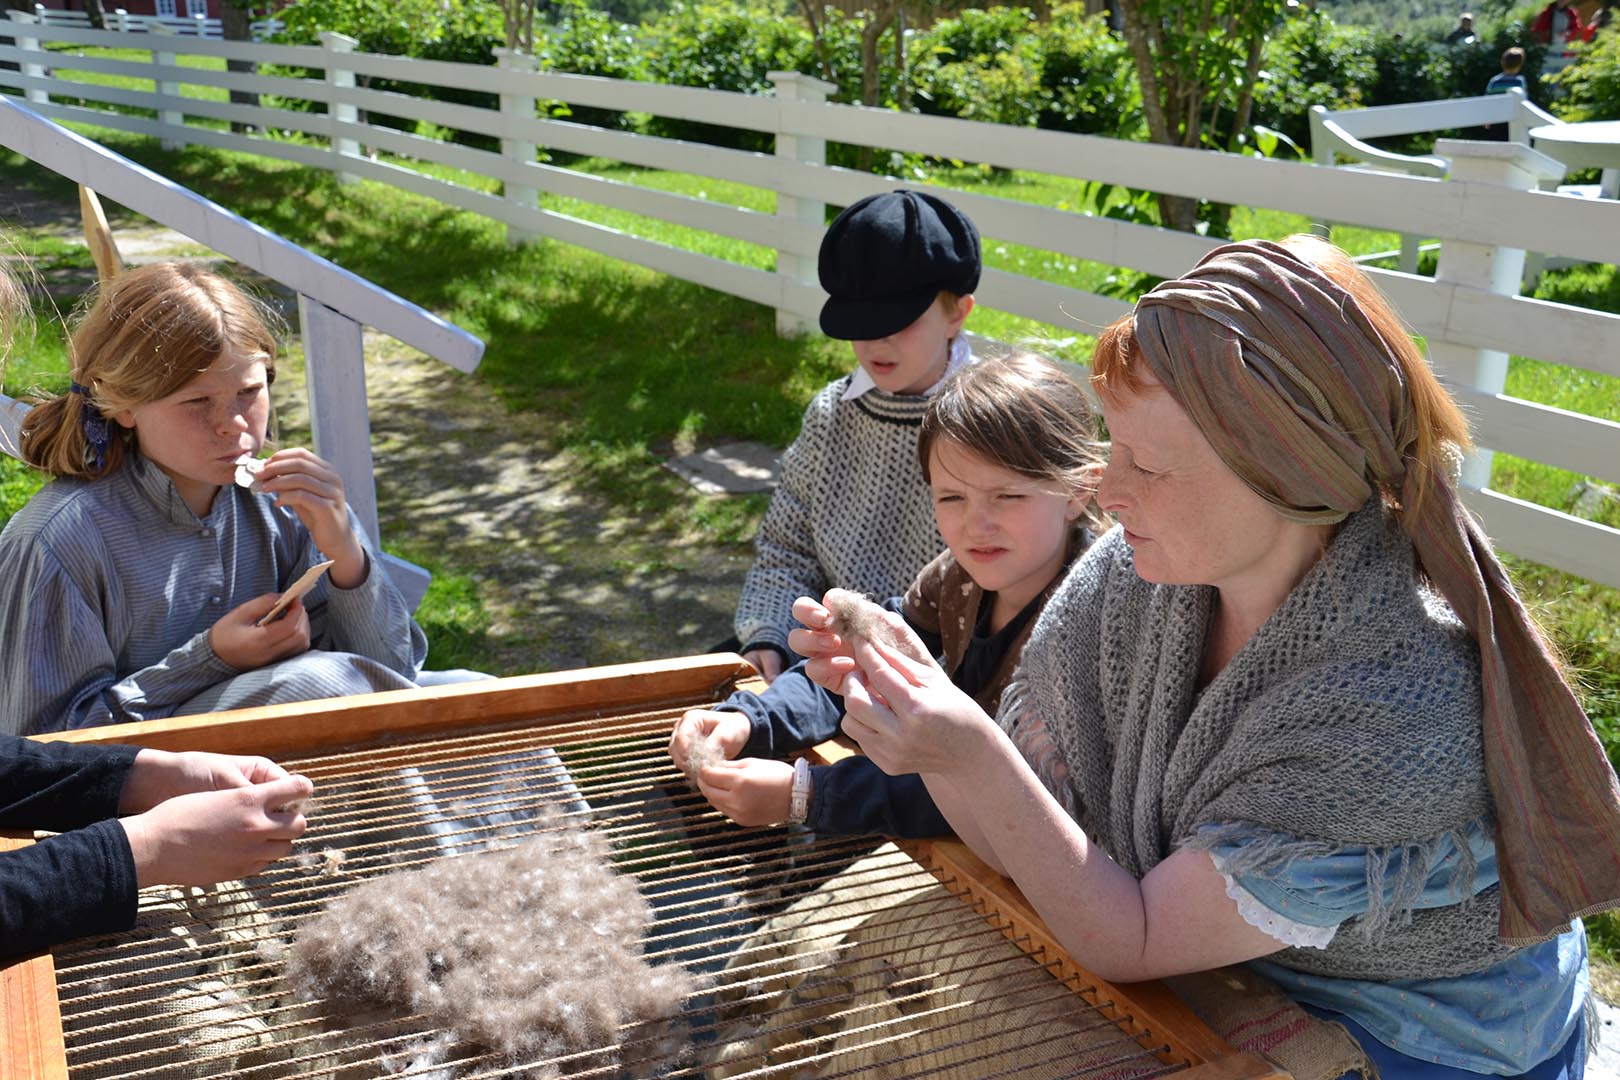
749,791
703,737
159,774
834,626
211,836
908,716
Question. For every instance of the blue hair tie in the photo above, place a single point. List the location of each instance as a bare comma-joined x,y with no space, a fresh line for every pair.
97,433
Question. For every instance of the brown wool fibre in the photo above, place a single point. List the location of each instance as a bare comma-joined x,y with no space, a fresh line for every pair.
854,616
535,950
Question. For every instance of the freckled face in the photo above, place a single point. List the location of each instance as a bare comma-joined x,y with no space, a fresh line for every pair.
912,360
196,433
1008,532
1188,518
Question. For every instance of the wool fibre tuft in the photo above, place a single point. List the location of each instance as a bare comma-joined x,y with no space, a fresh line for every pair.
532,950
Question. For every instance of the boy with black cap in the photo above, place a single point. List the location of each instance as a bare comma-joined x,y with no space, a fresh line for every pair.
852,510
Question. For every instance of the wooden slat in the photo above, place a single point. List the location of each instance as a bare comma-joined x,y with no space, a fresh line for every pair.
31,1045
303,727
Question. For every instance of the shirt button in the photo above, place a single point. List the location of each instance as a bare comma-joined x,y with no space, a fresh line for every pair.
213,599
208,532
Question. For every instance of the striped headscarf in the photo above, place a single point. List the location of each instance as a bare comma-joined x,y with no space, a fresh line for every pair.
1304,398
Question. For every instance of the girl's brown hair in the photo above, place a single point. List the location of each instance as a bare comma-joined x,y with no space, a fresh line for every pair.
150,331
1023,412
1441,429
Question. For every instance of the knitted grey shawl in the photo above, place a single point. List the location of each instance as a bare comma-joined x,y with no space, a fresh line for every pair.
1351,718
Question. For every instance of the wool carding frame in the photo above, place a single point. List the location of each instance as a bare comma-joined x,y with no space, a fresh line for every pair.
578,706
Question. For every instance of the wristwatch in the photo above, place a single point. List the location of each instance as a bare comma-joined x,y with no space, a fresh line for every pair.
799,798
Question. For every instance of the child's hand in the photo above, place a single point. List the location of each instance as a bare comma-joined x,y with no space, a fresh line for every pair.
246,647
752,791
159,774
729,729
768,662
211,836
312,489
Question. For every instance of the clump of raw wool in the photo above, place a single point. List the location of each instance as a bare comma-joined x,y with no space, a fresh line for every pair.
701,752
854,616
531,950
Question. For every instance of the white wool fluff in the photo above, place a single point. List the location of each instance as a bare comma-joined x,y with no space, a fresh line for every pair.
531,950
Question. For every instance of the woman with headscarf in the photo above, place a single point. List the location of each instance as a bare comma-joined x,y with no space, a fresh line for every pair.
1289,711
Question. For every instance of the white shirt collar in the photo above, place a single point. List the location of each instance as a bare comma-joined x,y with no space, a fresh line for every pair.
861,382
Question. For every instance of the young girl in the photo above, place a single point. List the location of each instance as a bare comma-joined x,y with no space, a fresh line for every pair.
1008,450
132,586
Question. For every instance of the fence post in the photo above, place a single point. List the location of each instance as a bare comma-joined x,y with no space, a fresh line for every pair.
339,79
791,86
168,90
516,108
1483,266
339,421
121,20
34,96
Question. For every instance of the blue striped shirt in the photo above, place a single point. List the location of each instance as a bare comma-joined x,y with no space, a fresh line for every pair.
108,589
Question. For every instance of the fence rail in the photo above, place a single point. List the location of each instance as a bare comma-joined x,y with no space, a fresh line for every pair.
1487,211
121,21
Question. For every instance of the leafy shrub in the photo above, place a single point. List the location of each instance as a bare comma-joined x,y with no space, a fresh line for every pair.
722,46
1312,61
585,41
1088,76
1591,86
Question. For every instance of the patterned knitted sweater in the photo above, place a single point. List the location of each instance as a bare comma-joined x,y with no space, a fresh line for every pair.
852,511
1350,719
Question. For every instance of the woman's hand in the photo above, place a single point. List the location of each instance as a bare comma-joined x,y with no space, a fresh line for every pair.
312,489
830,653
158,775
730,730
908,716
753,791
211,836
246,647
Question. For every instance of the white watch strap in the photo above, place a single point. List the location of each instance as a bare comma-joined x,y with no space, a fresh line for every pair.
799,799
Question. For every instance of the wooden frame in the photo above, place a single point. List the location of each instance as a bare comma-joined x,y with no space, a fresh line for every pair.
31,1040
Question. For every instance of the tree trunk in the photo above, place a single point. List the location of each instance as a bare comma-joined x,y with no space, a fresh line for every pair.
97,13
876,23
236,23
820,43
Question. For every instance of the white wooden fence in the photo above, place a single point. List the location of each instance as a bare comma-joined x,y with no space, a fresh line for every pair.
123,22
1487,213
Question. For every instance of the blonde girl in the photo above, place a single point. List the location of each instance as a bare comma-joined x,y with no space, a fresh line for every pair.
1009,452
132,586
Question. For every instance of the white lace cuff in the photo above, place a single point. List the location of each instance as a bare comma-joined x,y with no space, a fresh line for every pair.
1267,921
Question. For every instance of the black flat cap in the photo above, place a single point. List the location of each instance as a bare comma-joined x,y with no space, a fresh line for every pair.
886,257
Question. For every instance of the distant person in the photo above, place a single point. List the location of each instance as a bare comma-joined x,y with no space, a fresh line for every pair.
1558,27
853,510
1510,76
1463,32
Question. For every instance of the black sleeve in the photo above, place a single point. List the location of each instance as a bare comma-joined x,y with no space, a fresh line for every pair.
67,886
855,796
59,786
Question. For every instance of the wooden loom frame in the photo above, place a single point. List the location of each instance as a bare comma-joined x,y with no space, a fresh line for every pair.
32,1046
